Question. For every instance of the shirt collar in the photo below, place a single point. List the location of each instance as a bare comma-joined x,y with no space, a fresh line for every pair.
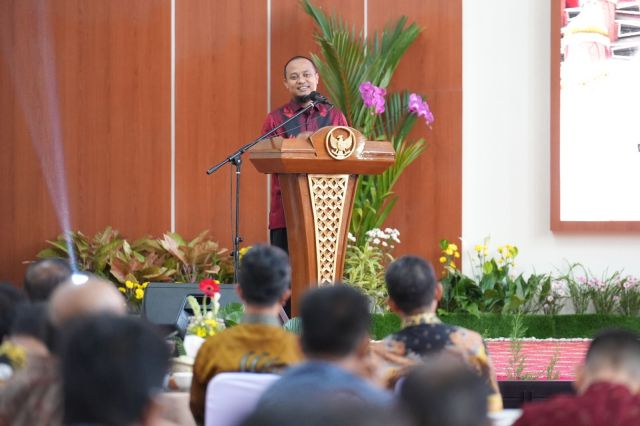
423,318
292,107
260,319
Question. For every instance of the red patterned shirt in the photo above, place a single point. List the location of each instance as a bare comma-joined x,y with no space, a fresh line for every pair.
317,117
603,404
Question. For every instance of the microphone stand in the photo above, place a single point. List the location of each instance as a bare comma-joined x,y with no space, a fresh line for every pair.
236,160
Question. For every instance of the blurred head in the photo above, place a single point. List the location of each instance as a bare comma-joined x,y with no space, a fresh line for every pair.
112,368
335,320
412,285
300,76
43,276
31,321
10,298
96,295
333,412
613,356
264,276
445,392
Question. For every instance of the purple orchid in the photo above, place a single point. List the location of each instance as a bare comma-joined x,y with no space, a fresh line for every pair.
373,96
420,108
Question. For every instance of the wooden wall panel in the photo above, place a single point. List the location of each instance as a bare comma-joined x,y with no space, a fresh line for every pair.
430,191
221,91
111,71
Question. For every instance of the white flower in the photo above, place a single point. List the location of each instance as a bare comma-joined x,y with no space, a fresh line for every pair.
384,244
351,237
376,241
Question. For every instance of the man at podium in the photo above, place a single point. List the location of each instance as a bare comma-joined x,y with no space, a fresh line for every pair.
300,79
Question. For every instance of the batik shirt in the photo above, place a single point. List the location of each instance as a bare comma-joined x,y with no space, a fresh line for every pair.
425,335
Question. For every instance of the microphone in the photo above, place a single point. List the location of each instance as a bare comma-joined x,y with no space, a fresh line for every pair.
318,98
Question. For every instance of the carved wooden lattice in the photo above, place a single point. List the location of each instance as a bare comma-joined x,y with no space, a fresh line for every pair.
328,193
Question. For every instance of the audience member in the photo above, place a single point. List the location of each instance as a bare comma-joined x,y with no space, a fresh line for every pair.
26,339
335,339
348,412
258,344
32,397
414,294
112,370
10,298
445,392
43,276
607,385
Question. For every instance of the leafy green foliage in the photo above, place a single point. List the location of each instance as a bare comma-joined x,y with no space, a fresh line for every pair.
348,60
494,287
168,259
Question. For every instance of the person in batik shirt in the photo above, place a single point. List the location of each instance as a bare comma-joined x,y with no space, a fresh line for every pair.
414,294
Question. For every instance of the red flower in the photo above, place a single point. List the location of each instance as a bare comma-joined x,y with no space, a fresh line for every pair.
210,287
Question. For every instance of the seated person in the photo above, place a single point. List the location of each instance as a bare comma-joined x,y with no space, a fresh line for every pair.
258,343
414,294
43,276
112,371
335,340
607,385
444,392
33,395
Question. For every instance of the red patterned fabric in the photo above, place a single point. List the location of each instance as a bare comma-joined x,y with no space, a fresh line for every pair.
603,404
317,117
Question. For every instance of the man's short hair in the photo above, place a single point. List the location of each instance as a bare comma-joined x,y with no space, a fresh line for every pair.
43,276
615,348
334,320
298,57
411,283
264,275
445,391
111,369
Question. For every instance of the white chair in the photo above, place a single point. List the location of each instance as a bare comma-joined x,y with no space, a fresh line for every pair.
233,396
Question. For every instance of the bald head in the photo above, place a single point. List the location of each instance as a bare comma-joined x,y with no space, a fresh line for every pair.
95,296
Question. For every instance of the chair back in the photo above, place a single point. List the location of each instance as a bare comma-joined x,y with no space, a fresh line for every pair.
233,396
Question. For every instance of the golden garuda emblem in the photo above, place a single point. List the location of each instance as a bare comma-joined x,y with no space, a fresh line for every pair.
340,142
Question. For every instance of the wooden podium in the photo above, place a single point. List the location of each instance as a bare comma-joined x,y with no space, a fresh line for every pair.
318,174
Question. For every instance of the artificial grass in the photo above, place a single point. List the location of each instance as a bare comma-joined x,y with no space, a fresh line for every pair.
538,326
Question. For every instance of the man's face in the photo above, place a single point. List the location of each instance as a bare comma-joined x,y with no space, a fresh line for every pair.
301,77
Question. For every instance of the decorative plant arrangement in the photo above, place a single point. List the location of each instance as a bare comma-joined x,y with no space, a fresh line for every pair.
494,287
356,71
365,265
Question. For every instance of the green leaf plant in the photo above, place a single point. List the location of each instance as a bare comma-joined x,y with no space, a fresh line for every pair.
348,59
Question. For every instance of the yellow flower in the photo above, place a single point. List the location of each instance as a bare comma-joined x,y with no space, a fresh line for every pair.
479,248
452,264
448,251
486,252
144,285
122,290
128,284
211,323
453,247
139,293
443,259
200,332
456,255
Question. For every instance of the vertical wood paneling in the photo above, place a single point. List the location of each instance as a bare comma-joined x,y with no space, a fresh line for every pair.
112,72
220,104
429,207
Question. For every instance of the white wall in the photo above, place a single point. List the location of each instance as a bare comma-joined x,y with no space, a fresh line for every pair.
506,193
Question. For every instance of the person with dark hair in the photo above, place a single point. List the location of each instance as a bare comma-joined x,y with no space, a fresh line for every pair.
444,392
33,396
258,344
300,79
43,276
607,386
112,371
337,412
335,340
10,298
414,294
